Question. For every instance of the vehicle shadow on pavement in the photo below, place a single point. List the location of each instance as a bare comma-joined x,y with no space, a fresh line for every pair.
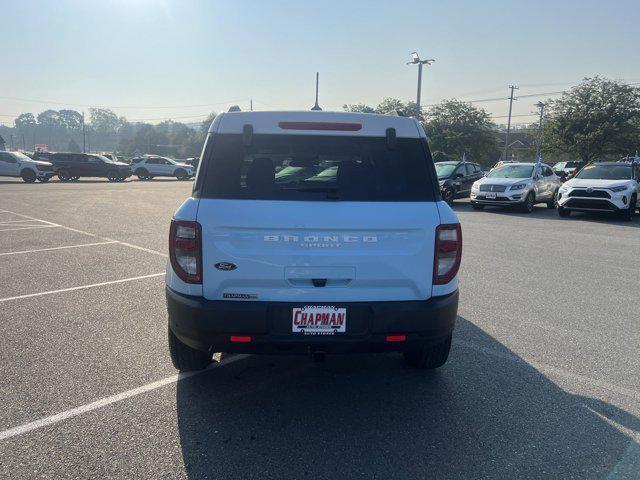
486,414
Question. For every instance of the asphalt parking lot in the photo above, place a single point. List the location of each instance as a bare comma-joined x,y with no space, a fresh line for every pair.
543,380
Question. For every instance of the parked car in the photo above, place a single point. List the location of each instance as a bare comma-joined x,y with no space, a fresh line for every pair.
566,170
519,185
72,166
455,179
16,164
149,166
194,162
365,262
610,187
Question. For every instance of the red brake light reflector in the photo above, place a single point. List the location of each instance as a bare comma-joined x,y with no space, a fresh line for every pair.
337,126
185,250
396,338
239,339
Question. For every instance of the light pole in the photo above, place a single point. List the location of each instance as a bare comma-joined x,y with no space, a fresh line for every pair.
506,141
416,61
541,106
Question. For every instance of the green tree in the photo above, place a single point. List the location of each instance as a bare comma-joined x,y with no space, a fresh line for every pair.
359,108
597,118
70,119
49,118
104,120
25,120
204,126
455,128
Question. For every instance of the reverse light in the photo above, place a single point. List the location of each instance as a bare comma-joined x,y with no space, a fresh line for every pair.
447,253
185,250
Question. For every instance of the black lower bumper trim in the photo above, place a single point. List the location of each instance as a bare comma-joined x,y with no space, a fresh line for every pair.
208,325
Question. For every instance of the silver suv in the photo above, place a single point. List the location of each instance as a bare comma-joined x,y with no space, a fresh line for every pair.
517,185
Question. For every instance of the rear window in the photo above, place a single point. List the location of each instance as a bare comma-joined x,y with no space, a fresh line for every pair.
312,167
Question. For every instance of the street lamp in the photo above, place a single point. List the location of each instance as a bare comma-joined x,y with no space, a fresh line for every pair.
416,60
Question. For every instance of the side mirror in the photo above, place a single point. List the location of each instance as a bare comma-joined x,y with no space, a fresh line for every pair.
458,175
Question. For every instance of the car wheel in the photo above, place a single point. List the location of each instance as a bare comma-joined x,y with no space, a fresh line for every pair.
113,176
529,202
181,174
64,176
563,212
44,179
142,174
28,176
447,196
184,357
628,213
477,206
428,357
552,202
75,178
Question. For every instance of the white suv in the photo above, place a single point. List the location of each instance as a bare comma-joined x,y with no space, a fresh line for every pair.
149,166
359,254
15,164
610,187
517,185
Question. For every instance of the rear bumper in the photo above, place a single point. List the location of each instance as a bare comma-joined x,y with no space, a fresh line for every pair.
208,325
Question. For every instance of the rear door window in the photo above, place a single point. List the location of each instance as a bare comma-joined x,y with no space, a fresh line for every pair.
312,167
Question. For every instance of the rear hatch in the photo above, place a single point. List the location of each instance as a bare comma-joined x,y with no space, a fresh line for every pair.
317,219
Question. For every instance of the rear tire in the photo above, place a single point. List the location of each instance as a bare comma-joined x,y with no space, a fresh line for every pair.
142,174
44,179
429,357
184,357
64,175
28,176
181,174
113,176
563,212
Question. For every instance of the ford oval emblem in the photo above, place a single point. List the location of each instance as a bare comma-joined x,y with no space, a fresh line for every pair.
226,266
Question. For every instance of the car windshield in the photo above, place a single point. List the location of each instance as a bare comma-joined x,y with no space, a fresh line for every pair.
606,172
574,164
445,169
512,171
314,167
102,158
21,156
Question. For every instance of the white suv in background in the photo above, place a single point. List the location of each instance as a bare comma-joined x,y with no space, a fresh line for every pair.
610,187
149,166
16,164
516,184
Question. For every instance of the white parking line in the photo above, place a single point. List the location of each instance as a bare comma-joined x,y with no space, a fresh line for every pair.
59,248
11,222
74,412
31,227
130,245
81,287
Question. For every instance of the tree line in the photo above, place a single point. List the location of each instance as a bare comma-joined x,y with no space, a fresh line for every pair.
597,119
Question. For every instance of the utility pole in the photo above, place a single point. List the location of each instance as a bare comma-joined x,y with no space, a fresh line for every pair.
416,61
506,142
11,140
24,146
541,106
316,106
84,137
251,104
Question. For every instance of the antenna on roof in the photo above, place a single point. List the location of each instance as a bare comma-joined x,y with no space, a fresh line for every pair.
316,106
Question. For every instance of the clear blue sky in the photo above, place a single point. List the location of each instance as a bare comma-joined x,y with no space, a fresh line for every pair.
128,54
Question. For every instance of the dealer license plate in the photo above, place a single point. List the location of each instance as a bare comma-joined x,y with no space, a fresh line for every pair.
319,320
491,196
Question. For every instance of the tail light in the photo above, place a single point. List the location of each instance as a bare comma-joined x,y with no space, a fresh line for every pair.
185,250
448,253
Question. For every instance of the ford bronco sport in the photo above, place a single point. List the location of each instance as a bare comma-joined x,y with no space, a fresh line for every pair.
352,250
